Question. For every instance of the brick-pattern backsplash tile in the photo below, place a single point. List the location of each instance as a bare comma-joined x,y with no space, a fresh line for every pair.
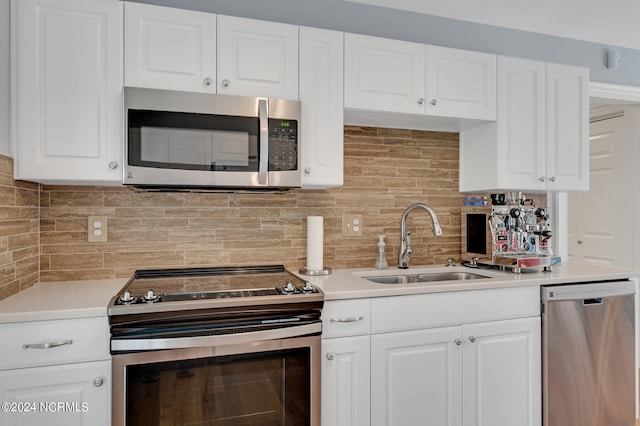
19,229
385,170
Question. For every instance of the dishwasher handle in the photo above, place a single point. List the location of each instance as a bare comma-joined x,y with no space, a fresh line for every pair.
594,301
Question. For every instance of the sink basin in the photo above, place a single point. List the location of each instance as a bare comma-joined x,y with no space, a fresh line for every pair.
395,279
449,276
430,277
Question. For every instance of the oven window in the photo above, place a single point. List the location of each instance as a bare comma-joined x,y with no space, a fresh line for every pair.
187,141
271,388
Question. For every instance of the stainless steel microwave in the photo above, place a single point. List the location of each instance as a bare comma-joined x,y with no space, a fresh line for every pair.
193,140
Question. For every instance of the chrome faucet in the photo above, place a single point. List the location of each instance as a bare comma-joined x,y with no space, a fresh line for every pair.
405,237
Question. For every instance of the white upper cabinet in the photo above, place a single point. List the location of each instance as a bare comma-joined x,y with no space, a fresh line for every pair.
257,58
567,154
383,74
67,90
460,83
170,49
386,81
321,97
539,141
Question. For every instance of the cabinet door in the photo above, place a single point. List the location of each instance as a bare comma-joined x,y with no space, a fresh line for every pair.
416,378
321,97
170,49
460,83
567,154
384,75
67,82
257,58
521,124
502,373
346,381
61,395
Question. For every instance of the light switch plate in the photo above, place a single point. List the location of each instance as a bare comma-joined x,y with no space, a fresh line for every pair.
97,229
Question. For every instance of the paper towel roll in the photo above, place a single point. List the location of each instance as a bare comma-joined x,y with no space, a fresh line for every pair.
315,243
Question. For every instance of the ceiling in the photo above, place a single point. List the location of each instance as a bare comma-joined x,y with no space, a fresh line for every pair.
611,22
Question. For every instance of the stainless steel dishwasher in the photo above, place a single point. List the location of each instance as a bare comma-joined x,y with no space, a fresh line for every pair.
588,343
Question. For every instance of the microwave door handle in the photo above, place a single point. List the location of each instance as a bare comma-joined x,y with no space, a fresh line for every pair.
264,141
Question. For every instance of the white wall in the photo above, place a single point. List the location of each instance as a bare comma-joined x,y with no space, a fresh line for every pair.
4,76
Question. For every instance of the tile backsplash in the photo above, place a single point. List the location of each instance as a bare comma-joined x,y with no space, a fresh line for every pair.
18,231
385,170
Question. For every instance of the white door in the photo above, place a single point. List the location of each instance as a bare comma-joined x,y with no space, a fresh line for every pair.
416,378
171,49
257,58
346,381
384,75
460,83
595,217
567,147
521,123
60,395
502,373
68,82
322,110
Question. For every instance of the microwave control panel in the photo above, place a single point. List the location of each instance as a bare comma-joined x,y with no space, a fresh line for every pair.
283,145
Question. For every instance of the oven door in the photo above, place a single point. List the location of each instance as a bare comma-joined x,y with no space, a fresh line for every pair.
268,382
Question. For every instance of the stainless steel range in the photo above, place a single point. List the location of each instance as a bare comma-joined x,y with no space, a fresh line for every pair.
216,346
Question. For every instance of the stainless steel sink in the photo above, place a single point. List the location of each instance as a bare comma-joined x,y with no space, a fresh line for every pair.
395,279
449,276
430,277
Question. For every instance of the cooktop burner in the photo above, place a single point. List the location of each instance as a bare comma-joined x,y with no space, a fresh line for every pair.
178,289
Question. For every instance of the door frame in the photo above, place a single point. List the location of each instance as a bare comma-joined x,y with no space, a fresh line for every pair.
558,202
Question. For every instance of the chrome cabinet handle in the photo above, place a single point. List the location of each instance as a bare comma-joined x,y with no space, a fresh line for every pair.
579,241
330,356
458,342
348,319
307,170
420,101
113,165
225,83
207,82
47,345
541,179
552,178
472,339
434,102
98,381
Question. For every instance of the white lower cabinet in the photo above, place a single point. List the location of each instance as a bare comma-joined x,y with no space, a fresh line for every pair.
345,381
55,373
469,358
59,395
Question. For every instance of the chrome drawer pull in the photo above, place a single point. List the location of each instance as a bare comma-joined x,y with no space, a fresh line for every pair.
47,345
350,319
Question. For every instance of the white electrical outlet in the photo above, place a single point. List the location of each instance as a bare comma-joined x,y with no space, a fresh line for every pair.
352,225
97,229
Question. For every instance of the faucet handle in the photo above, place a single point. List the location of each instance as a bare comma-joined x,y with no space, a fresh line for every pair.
451,261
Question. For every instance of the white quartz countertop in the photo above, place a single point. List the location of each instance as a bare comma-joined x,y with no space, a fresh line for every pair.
351,284
60,300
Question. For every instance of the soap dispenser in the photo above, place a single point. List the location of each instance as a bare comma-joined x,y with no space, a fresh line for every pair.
381,260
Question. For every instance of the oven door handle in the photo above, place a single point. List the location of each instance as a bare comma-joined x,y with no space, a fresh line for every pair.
263,164
120,345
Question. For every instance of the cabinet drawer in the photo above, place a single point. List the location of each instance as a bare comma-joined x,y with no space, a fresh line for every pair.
346,318
399,313
38,343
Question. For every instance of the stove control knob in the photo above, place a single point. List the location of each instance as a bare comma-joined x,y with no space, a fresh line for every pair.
151,296
308,288
127,297
288,288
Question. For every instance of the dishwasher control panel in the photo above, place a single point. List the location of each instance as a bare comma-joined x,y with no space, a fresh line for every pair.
588,290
